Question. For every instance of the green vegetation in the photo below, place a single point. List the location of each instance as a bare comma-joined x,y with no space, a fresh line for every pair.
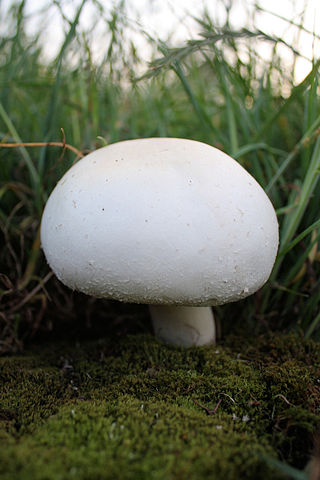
129,407
132,408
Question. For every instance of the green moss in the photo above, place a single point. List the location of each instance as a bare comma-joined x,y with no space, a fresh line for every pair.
133,408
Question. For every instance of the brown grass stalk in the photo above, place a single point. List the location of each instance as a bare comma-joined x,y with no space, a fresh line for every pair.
43,144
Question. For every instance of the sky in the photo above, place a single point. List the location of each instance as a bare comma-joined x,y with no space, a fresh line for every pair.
174,19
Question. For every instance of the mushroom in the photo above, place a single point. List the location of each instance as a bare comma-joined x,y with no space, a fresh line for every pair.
172,223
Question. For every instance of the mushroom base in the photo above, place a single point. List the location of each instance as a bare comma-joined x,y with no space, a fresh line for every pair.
183,326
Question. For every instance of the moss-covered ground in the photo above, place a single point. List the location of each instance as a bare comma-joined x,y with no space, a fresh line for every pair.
132,408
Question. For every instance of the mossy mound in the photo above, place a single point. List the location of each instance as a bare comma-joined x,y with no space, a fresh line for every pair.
133,408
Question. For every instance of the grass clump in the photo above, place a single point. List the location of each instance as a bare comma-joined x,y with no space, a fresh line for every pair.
133,408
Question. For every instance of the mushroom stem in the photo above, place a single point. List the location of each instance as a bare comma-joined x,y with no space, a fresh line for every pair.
183,326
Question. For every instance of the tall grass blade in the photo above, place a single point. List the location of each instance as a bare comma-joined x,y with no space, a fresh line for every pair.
293,220
289,471
203,117
296,92
311,132
34,176
55,91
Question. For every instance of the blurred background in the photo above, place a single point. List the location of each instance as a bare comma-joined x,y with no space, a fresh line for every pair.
242,76
174,22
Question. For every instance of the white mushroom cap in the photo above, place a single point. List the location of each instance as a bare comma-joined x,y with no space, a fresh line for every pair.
160,221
